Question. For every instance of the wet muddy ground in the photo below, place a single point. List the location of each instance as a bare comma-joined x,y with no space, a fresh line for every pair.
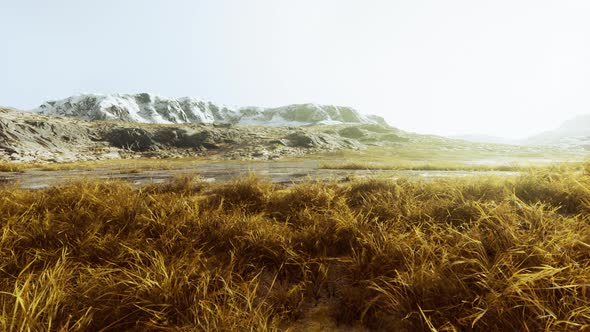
285,172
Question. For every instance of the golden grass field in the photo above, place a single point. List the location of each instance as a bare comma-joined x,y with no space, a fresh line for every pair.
462,254
131,165
451,166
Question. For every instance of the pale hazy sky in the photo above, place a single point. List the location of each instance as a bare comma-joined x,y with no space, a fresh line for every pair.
501,67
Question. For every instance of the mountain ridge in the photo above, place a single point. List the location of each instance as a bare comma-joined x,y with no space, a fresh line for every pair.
152,108
571,134
577,126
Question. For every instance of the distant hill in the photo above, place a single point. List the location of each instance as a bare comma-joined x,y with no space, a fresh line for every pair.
572,134
151,108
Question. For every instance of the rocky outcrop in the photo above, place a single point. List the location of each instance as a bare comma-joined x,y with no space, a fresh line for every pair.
140,139
352,132
27,136
307,139
134,139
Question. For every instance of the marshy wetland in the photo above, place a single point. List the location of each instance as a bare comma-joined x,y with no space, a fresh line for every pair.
422,158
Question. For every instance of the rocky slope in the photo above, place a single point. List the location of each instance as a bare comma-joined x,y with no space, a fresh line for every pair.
29,136
149,108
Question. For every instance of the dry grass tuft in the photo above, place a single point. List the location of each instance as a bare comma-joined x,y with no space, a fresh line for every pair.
12,167
402,165
124,165
480,254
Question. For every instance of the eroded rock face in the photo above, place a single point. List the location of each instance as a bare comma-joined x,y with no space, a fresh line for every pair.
28,137
304,140
307,139
134,139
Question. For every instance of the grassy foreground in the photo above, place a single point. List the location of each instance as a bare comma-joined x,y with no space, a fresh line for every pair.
482,254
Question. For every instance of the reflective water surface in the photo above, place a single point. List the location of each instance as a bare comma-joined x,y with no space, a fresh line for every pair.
278,171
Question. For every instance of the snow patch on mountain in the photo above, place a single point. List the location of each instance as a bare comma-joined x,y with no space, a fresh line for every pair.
141,107
150,108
